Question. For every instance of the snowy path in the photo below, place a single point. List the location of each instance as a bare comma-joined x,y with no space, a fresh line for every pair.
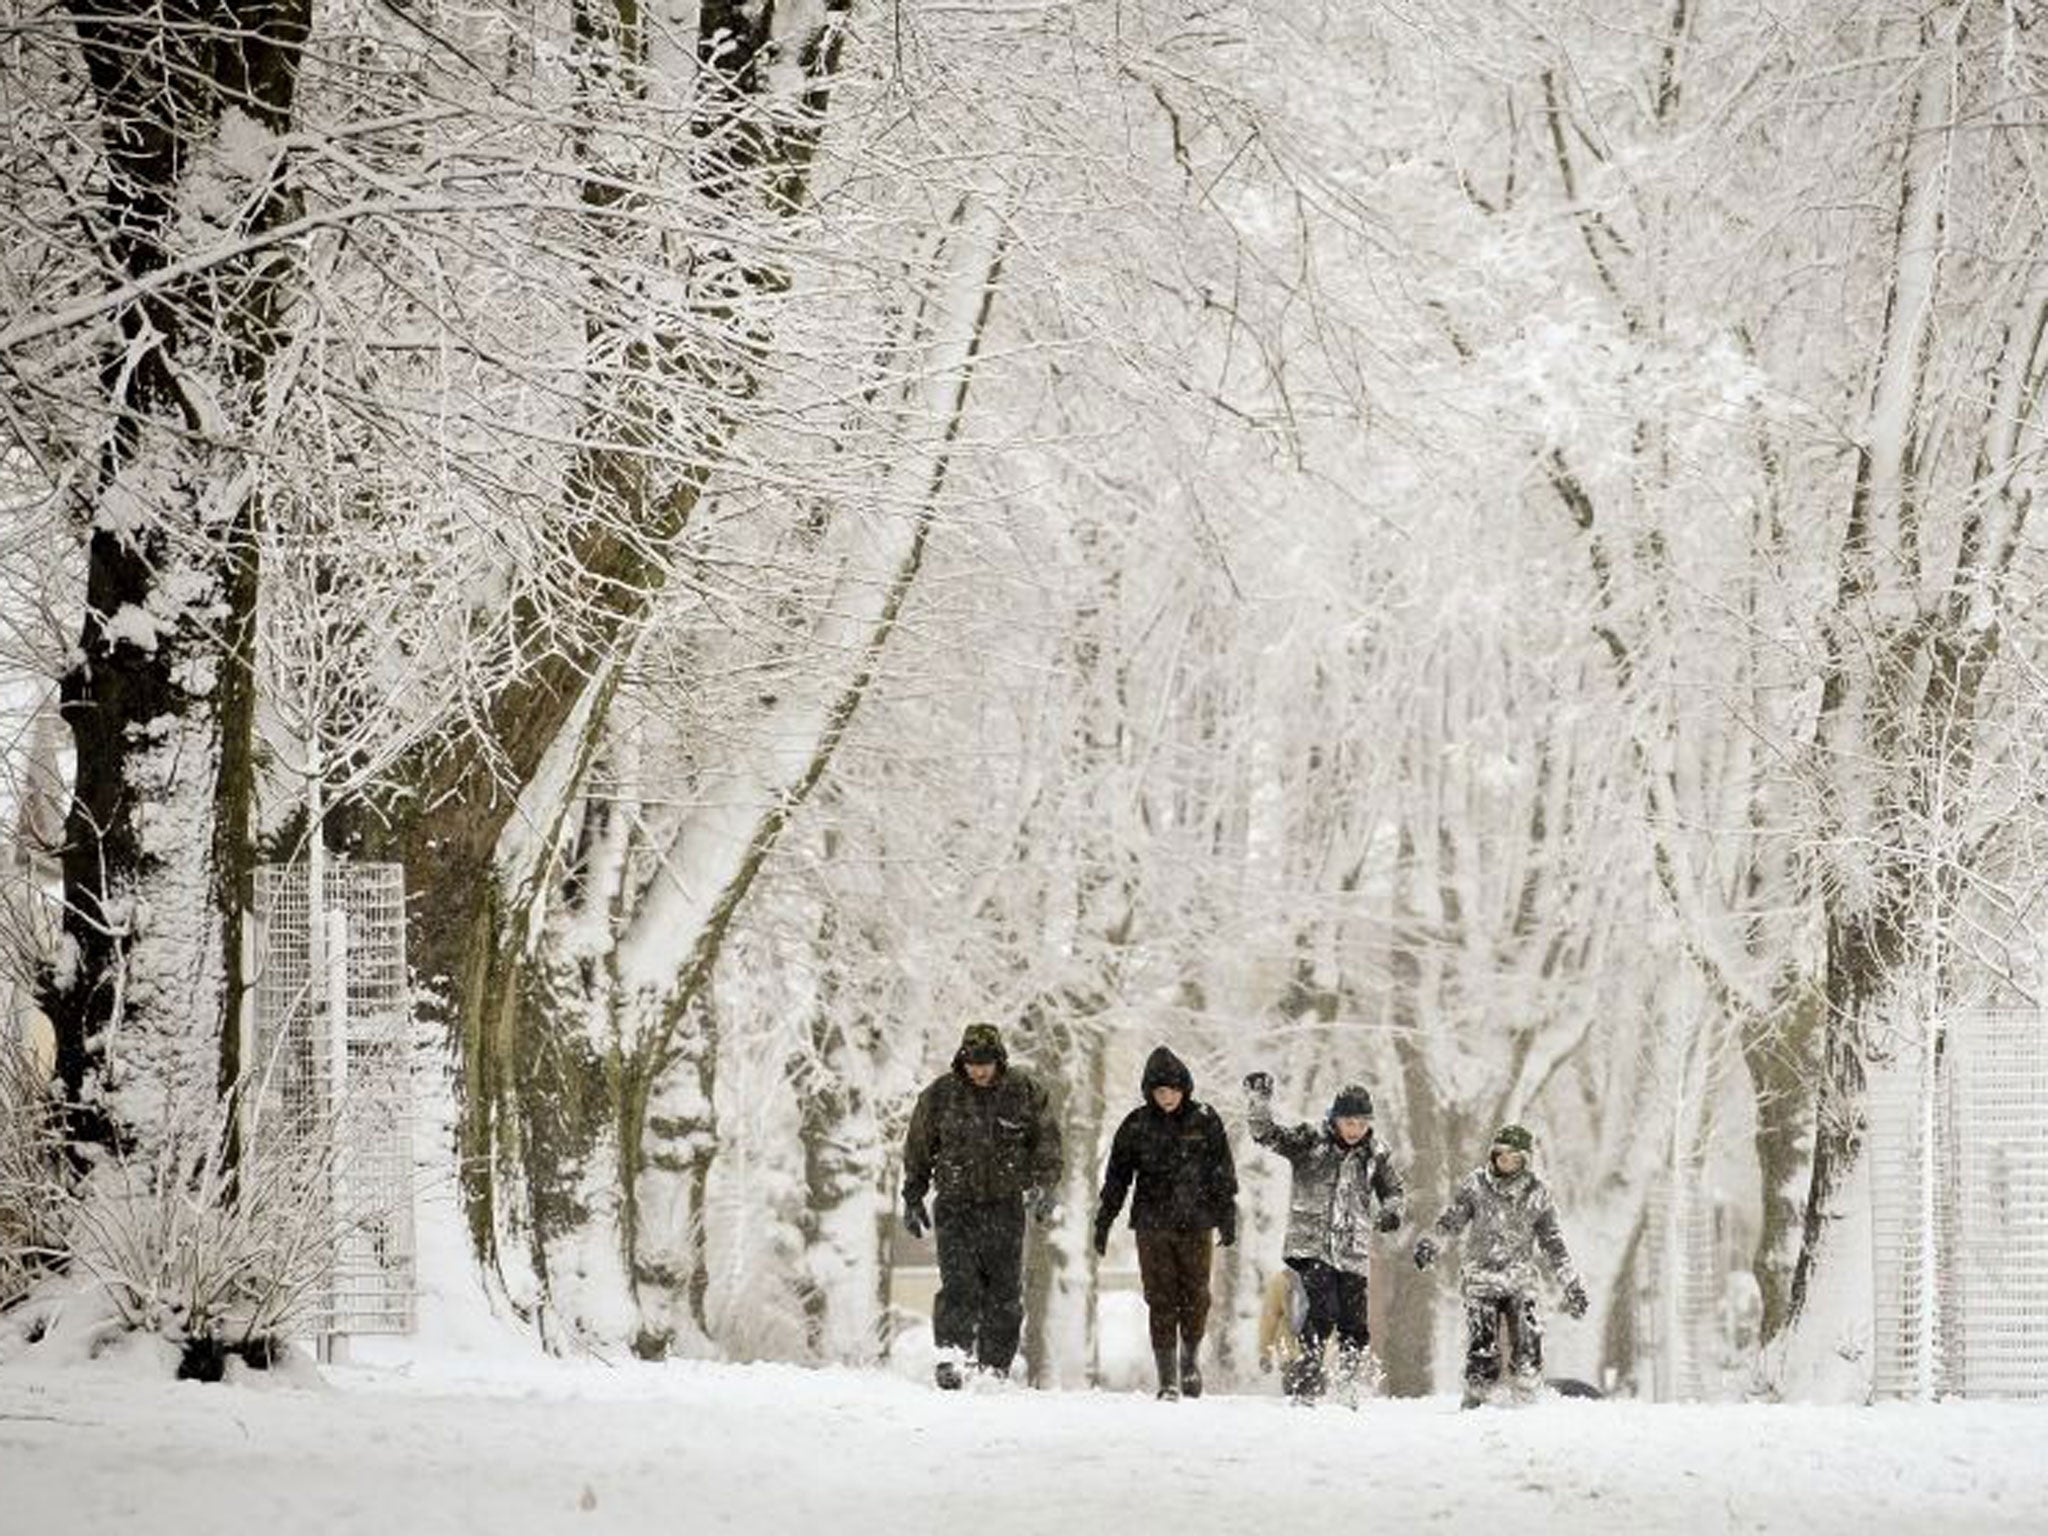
687,1449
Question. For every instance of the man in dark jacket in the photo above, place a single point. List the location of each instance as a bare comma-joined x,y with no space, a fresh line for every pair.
985,1135
1346,1188
1177,1150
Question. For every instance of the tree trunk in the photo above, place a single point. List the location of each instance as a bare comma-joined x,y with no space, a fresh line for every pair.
473,870
669,1132
1779,1048
844,1170
644,1012
159,696
1875,736
1065,1055
1409,1348
1082,1189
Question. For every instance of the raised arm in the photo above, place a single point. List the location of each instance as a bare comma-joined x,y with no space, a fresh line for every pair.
1290,1141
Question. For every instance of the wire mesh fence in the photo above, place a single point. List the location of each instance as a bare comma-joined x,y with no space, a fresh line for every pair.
1674,1306
1696,1311
333,1086
1958,1149
1997,1339
1906,1128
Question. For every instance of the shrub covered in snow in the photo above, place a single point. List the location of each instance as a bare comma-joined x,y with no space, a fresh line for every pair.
213,1256
31,1196
219,1249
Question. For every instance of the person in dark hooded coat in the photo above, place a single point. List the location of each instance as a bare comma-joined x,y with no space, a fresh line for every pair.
1176,1149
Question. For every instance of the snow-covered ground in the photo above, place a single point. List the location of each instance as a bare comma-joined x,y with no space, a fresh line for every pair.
514,1447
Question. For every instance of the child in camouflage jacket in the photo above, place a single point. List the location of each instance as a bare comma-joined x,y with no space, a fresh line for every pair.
1507,1216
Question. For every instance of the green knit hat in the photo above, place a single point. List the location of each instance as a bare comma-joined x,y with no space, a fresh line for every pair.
981,1042
1516,1137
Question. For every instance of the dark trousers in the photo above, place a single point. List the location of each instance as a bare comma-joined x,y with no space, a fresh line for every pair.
1336,1304
980,1305
1174,1268
1485,1319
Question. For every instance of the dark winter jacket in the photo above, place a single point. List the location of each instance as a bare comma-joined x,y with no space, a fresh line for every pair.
1330,1214
981,1143
1510,1219
1187,1181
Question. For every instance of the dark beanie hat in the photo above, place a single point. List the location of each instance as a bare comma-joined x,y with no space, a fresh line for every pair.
1516,1137
1351,1100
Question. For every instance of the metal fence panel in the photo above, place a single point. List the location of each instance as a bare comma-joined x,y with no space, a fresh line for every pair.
1676,1321
1997,1070
1905,1183
331,1065
1958,1149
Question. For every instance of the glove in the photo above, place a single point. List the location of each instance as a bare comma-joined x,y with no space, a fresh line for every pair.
915,1222
1258,1084
1575,1300
1101,1238
1389,1220
1041,1203
1425,1253
1226,1229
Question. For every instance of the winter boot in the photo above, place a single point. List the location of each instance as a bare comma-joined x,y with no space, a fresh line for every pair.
1168,1361
947,1374
1190,1371
1348,1378
1303,1378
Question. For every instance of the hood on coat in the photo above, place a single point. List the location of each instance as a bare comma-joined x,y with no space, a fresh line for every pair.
1163,1069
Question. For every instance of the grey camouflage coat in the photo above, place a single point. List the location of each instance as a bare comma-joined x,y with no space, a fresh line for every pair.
1505,1222
1329,1215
